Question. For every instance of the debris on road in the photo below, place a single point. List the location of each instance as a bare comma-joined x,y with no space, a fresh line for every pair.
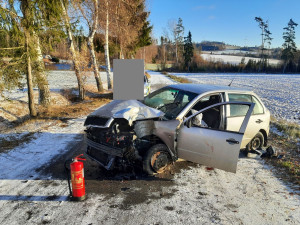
269,152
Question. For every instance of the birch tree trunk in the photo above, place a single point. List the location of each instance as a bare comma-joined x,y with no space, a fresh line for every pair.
164,49
90,44
106,49
176,53
95,64
32,110
43,85
73,52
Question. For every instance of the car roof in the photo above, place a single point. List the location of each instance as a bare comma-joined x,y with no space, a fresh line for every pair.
202,88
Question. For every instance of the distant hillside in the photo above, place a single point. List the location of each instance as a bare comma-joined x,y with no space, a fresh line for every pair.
210,46
221,48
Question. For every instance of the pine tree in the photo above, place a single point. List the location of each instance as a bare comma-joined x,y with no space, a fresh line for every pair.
188,50
144,38
25,19
289,46
38,15
179,39
265,38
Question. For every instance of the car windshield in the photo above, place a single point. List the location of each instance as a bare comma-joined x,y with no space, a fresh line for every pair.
170,101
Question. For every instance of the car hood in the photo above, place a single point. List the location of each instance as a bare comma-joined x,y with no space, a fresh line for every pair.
130,110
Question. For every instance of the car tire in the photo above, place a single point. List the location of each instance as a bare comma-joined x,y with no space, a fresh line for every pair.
156,159
256,143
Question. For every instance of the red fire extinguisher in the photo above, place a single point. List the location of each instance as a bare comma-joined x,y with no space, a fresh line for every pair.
77,179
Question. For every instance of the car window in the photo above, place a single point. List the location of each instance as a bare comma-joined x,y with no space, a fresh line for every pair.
170,101
239,110
204,102
185,99
210,118
166,96
258,108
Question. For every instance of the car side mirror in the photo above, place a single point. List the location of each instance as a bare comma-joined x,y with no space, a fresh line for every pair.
188,123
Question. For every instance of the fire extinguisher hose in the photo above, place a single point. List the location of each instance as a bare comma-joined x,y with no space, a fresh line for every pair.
67,170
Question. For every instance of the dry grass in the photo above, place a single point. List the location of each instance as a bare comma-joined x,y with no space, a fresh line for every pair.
289,146
72,110
147,75
291,130
178,79
64,105
14,141
76,108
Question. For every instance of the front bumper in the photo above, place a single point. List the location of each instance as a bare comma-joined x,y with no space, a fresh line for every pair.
105,155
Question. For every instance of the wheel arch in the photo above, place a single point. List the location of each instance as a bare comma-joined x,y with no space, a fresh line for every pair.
265,136
157,140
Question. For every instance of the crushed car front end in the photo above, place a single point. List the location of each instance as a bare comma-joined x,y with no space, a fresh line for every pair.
118,134
109,144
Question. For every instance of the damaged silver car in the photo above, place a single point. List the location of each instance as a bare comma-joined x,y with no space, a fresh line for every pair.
189,121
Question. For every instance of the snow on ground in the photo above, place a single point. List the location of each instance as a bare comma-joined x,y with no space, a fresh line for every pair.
279,92
194,195
159,80
230,52
58,79
234,59
44,146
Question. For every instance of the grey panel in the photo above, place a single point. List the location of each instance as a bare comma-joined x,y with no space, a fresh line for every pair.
128,79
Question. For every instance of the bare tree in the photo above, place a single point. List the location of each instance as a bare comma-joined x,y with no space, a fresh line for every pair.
90,12
127,19
106,47
72,50
172,29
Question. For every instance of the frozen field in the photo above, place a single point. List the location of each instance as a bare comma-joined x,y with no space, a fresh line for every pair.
233,59
280,93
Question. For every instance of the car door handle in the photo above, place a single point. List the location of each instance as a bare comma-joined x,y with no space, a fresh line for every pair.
232,141
259,121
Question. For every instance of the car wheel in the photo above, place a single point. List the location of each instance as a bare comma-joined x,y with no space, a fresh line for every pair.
156,159
256,143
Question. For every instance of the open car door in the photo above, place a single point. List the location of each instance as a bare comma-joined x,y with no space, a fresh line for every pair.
207,142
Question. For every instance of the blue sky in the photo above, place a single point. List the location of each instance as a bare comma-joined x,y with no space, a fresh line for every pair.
231,21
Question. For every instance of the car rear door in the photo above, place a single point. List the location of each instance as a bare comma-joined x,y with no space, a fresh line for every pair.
213,147
235,115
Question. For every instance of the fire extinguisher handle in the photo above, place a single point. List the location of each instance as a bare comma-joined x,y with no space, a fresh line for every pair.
83,159
78,157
